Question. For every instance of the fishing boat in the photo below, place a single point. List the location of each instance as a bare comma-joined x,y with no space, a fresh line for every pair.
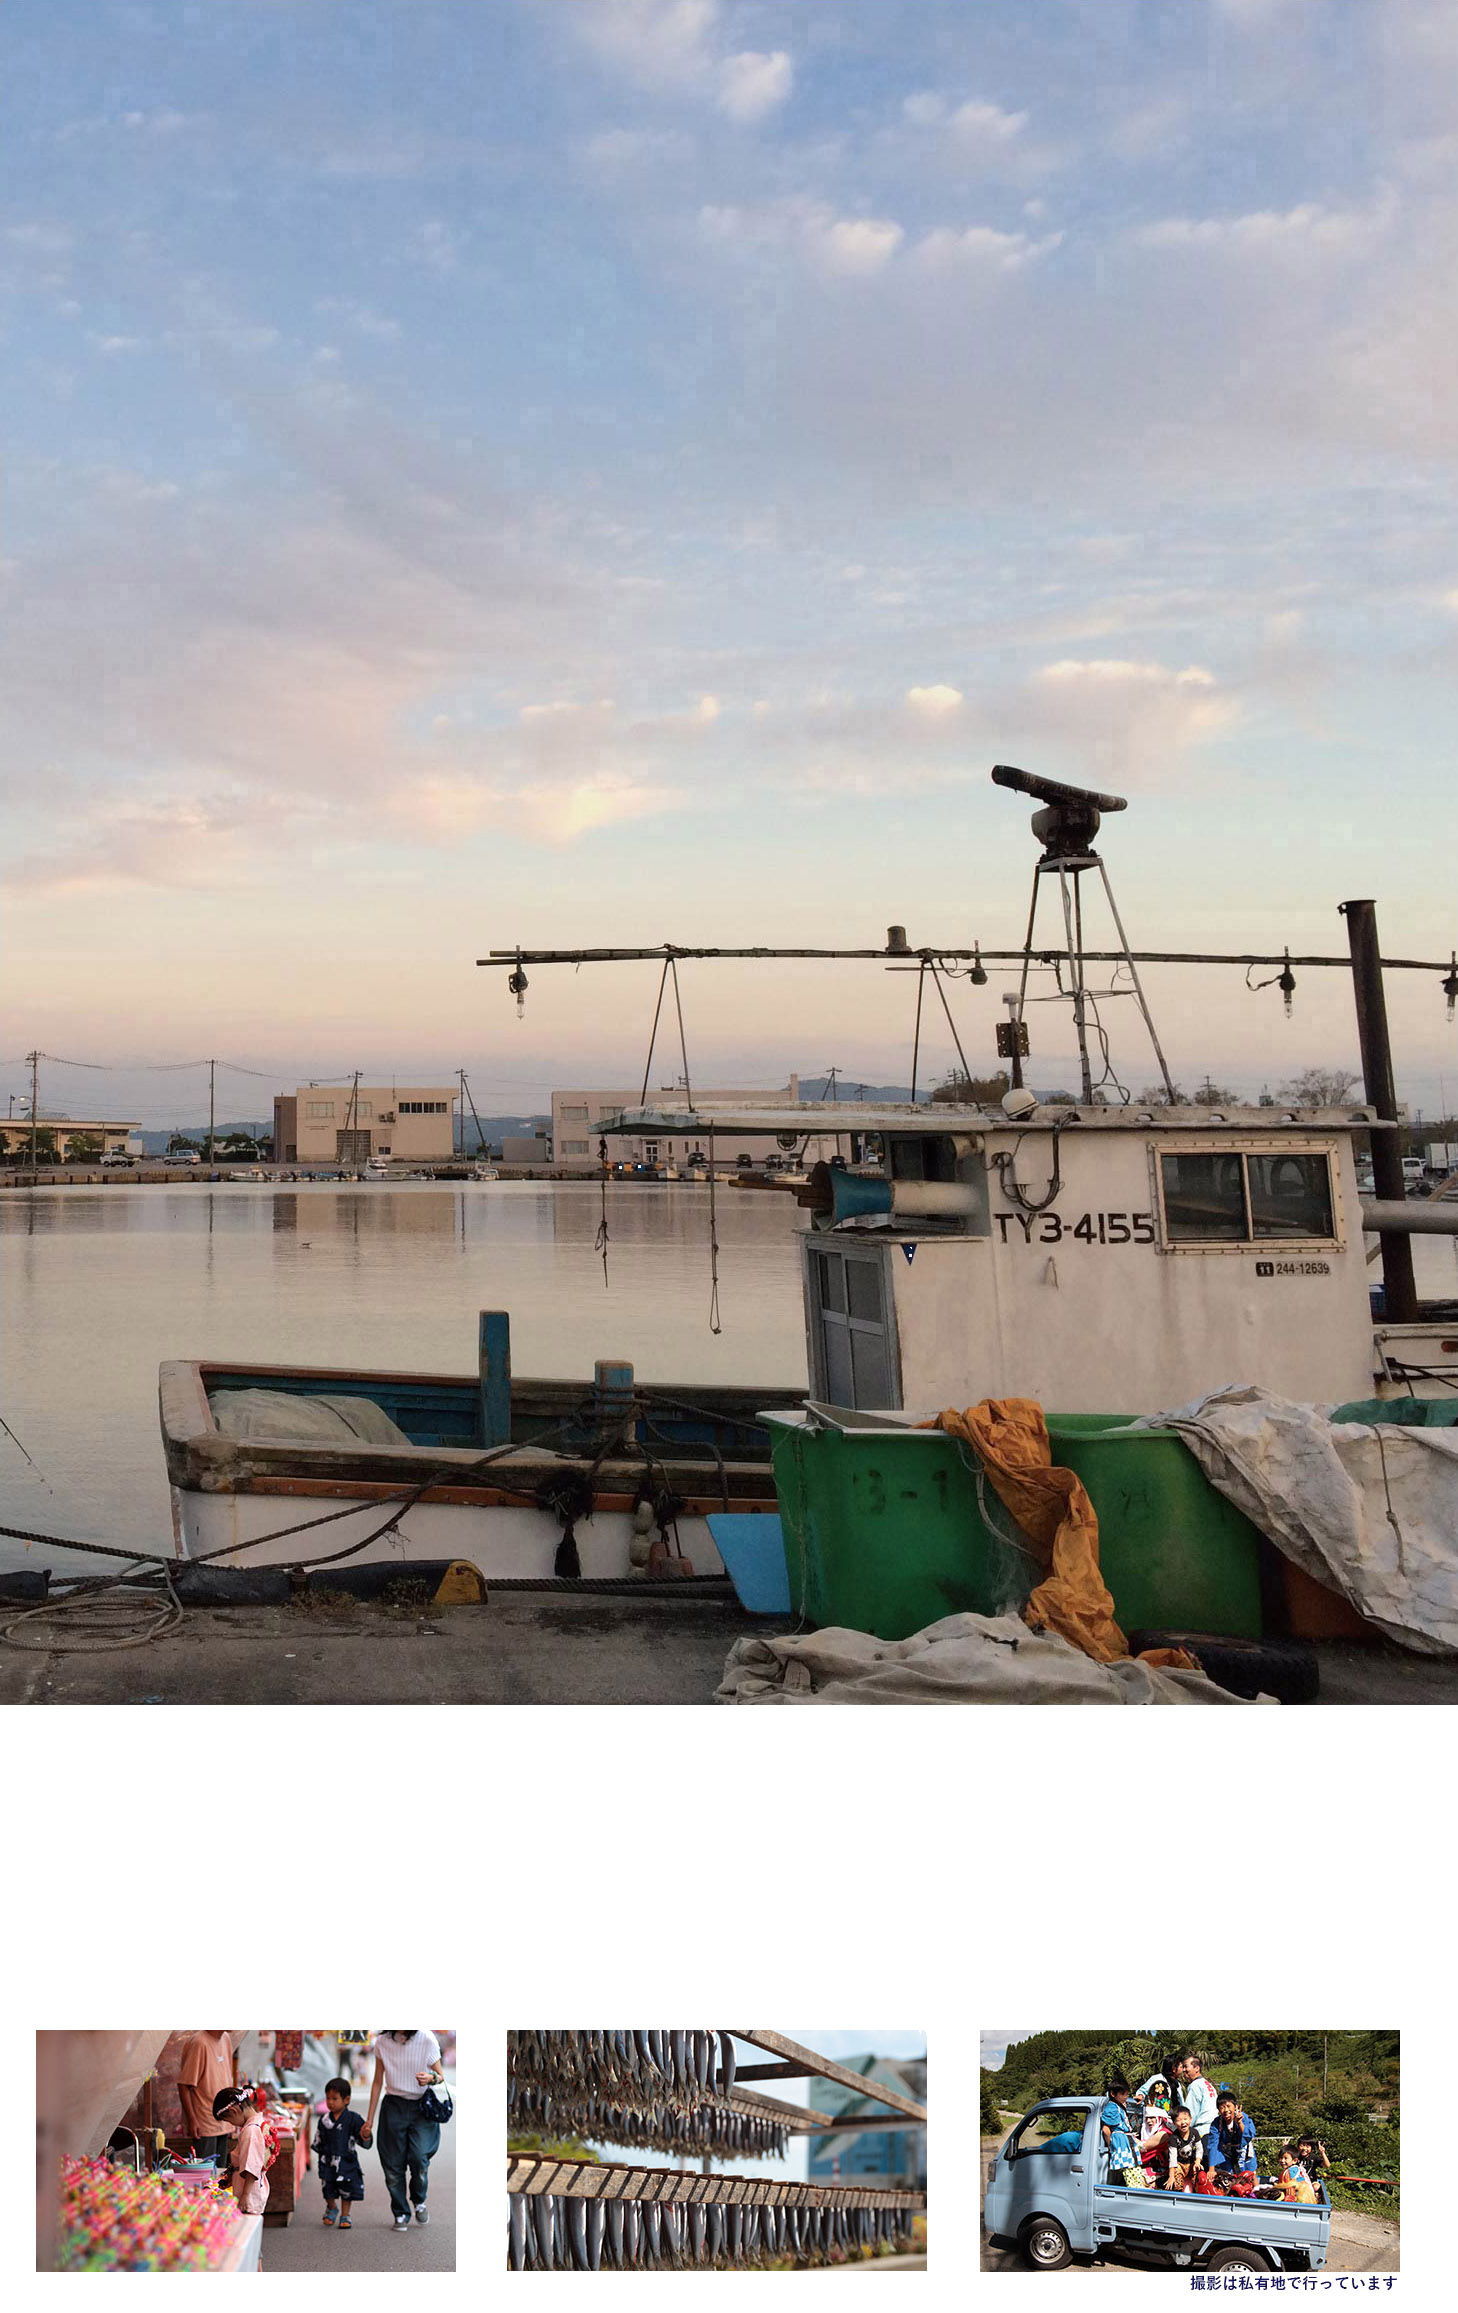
1095,1257
377,1169
601,1479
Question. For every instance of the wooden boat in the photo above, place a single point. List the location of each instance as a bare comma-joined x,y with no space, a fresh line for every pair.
618,1476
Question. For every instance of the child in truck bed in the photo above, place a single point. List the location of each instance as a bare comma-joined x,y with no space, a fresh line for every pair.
1115,2124
1185,2155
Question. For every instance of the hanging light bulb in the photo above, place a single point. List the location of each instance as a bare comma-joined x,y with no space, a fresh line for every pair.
977,975
1450,984
1287,984
517,983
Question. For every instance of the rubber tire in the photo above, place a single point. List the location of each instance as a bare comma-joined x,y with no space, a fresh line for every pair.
1237,2258
1049,2229
1284,1667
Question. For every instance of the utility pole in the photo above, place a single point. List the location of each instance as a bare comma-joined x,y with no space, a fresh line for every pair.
1323,2068
461,1106
34,1059
212,1104
480,1128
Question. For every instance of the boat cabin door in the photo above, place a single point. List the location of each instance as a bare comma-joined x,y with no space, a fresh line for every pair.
849,1325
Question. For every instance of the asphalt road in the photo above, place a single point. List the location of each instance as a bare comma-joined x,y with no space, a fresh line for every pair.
307,2245
1359,2244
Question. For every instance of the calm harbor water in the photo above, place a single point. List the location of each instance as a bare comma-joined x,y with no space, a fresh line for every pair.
98,1286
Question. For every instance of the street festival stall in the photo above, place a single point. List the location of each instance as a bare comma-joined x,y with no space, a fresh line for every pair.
121,2183
682,2093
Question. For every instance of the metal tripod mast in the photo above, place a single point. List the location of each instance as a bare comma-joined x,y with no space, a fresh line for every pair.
1066,827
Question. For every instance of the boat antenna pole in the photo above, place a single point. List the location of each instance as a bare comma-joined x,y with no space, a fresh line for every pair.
1066,827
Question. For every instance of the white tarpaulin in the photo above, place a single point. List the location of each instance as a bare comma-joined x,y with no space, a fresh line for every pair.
1368,1508
287,1414
968,1658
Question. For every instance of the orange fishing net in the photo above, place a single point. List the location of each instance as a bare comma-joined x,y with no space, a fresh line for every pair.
1010,1439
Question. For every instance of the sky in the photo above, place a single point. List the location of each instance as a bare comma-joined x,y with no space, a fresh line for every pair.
501,471
995,2045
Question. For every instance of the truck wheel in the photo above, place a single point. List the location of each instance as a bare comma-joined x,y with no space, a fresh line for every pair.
1284,1667
1237,2259
1045,2245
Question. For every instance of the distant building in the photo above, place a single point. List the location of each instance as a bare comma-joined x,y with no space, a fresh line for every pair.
577,1119
330,1124
520,1148
883,2155
60,1132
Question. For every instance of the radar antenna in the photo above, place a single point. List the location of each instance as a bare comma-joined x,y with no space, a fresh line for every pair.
1066,828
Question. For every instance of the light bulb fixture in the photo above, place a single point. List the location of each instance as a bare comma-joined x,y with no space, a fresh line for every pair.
517,983
1450,984
1287,983
978,975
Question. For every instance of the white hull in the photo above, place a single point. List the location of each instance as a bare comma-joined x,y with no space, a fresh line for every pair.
508,1541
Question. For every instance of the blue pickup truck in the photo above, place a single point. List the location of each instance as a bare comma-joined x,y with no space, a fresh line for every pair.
1052,2198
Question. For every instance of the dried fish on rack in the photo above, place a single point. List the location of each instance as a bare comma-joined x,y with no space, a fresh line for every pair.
657,2091
586,2216
550,2232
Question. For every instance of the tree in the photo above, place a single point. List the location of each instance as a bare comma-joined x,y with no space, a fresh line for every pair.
1155,1096
1212,1095
971,1091
241,1145
1320,1088
991,2122
82,1147
179,1145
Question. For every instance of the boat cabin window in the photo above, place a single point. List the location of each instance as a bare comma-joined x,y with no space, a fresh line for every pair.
1290,1195
1234,1197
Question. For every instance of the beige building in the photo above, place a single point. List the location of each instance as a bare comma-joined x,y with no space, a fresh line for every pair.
577,1118
330,1124
61,1133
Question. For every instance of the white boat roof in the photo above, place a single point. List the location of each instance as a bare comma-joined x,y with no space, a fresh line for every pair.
825,1116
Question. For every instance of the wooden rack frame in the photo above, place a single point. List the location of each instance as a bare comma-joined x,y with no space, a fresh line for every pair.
597,2181
797,2063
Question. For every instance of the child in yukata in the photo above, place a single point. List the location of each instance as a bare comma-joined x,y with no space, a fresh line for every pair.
339,2133
1156,2133
1185,2155
1114,2121
249,2154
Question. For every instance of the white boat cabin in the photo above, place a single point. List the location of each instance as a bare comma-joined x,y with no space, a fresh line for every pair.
1099,1260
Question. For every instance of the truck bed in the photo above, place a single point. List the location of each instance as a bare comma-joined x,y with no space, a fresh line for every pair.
1299,2228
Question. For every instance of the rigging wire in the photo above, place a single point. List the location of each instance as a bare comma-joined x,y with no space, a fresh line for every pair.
715,1325
653,1038
600,1241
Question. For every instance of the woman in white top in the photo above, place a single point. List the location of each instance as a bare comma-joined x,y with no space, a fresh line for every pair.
406,2064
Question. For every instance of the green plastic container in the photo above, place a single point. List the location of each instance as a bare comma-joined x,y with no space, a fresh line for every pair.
1407,1413
883,1531
1175,1554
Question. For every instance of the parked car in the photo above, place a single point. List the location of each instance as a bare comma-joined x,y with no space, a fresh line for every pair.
117,1157
181,1156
